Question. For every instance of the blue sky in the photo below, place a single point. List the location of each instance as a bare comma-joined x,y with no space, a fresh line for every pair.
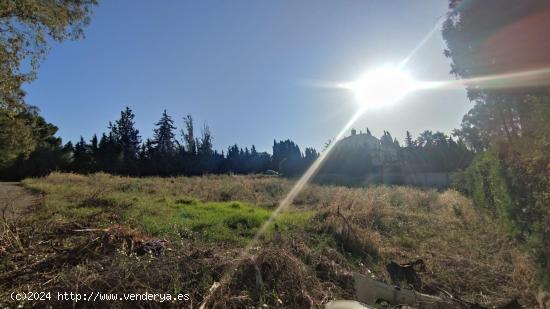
246,68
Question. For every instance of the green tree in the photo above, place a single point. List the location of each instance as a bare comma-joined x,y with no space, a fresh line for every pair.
425,139
287,157
16,136
82,157
310,155
125,134
163,138
94,145
205,146
510,171
26,28
188,135
45,154
109,154
127,139
479,42
409,143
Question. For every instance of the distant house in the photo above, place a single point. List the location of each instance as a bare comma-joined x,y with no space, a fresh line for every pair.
362,159
379,152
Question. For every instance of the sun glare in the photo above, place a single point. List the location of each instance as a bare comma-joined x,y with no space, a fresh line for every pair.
382,87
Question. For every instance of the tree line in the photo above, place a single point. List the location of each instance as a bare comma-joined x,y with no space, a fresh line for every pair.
122,151
170,152
508,127
430,152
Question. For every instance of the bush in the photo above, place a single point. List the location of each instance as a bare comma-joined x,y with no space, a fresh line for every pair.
500,182
486,181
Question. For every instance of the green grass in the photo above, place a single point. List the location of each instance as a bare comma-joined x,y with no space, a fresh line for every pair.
157,214
329,229
213,221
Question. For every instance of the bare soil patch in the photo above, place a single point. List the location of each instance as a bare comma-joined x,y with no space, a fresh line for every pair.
16,201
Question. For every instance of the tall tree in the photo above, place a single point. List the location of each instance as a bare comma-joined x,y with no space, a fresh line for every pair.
163,138
109,154
396,143
409,143
127,139
82,157
94,145
425,139
493,38
188,135
386,139
310,155
125,134
205,146
26,29
287,157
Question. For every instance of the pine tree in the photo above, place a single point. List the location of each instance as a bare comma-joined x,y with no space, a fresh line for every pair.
82,157
163,139
68,147
126,135
94,144
409,143
396,143
109,154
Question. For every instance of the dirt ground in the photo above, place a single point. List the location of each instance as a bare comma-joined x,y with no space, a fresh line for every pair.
85,233
15,201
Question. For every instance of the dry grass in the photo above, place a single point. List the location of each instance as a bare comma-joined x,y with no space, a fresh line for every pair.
306,261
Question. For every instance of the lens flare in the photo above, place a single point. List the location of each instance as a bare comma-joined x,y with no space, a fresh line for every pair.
289,198
382,87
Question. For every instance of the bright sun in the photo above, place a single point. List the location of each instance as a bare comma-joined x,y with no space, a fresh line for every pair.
382,87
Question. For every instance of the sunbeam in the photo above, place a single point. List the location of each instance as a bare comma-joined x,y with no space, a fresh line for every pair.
422,43
509,80
291,195
378,88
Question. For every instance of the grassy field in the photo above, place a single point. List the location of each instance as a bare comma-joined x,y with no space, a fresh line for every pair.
85,232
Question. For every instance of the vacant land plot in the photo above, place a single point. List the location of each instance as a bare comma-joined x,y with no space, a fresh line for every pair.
180,235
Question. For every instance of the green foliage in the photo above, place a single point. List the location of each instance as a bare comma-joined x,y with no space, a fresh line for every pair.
126,136
163,139
188,135
27,145
516,194
287,158
362,158
26,26
486,180
508,126
36,151
16,137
